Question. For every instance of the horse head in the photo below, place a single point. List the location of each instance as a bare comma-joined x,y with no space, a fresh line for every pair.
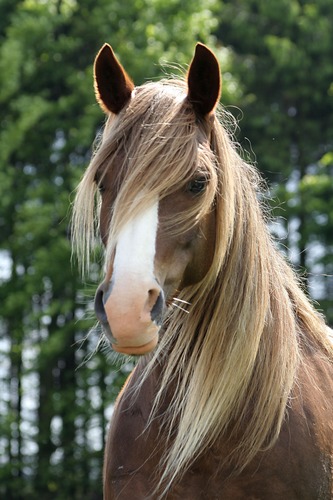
153,250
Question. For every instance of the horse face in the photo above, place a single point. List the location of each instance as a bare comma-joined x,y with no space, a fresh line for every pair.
150,264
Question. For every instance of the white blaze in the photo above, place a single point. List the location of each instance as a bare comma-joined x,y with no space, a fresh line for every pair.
134,289
135,250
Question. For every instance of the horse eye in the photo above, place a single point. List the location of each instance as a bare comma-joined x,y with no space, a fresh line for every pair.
101,188
197,186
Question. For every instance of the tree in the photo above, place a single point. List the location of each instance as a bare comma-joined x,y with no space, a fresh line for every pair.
282,60
56,398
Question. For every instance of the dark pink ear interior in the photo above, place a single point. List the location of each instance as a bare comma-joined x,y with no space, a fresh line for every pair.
113,87
204,81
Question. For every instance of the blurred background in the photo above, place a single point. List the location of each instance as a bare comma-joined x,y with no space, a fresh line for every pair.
56,385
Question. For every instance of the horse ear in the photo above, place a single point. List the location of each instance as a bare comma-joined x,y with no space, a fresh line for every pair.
204,81
113,86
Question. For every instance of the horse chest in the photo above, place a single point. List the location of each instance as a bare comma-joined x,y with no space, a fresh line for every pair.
277,475
297,468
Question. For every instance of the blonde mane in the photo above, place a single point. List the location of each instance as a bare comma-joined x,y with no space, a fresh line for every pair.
234,358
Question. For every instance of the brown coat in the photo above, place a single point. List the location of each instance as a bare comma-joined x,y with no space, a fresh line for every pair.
298,467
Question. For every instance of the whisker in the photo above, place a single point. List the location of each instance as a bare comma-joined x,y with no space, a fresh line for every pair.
79,343
183,301
181,308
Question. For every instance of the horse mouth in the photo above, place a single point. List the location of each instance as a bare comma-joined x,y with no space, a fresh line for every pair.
130,347
136,350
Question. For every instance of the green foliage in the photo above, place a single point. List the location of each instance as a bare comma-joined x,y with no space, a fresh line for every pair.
277,67
282,59
57,394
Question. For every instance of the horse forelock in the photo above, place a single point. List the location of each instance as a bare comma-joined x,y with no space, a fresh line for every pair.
154,146
248,312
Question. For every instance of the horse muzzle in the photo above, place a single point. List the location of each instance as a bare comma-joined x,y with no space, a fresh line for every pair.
131,314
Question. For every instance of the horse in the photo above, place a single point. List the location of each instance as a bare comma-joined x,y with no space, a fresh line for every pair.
232,394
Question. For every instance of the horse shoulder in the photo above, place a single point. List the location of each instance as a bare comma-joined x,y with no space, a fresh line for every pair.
303,455
298,466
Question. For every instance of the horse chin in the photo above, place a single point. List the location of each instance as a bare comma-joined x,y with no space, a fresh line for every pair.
136,350
136,345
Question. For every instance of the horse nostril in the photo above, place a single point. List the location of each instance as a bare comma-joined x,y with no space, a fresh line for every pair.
157,310
100,312
99,305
